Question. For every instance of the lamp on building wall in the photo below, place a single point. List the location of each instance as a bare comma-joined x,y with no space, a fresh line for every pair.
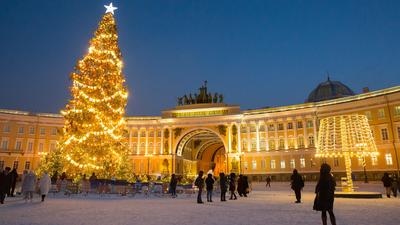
346,136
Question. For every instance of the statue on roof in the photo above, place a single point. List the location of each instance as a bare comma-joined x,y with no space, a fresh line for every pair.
215,99
221,98
180,102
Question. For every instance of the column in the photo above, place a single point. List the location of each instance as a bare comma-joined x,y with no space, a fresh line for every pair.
147,141
248,138
315,130
239,138
296,145
154,140
229,138
266,137
162,141
304,121
285,135
138,142
258,136
170,140
276,136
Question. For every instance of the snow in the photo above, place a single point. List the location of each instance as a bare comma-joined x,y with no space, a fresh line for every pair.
272,206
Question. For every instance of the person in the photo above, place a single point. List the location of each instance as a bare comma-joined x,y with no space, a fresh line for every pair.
223,186
232,186
200,184
245,186
45,185
210,186
3,185
268,182
85,185
395,185
297,184
28,186
8,181
13,181
387,183
93,181
240,185
325,191
172,185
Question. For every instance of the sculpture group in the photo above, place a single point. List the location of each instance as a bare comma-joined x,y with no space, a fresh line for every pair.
202,97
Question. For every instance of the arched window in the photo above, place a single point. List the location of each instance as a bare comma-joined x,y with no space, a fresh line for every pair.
311,141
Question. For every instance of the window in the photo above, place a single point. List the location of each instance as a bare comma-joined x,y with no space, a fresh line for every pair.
281,143
135,134
271,127
368,115
6,129
30,146
374,160
302,163
381,113
290,126
15,165
300,141
4,144
291,142
41,145
397,110
311,140
18,145
1,164
283,164
159,133
151,134
42,131
271,144
143,134
309,124
335,162
27,165
252,128
389,160
54,131
134,147
253,144
299,124
292,164
20,130
31,130
52,147
273,164
384,134
280,126
245,165
244,145
263,164
254,164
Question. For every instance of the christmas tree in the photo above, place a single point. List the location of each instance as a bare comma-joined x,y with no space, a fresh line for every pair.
92,138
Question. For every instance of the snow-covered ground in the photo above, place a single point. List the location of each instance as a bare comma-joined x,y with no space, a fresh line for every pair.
272,206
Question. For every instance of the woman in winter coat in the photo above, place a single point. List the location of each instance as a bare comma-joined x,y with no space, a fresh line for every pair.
232,186
209,186
44,185
223,186
28,186
387,183
240,185
172,185
325,191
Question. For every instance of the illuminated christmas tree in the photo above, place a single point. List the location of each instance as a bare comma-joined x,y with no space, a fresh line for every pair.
93,133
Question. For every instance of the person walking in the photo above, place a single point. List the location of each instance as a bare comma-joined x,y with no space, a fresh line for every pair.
28,186
209,186
199,184
8,181
13,181
387,183
3,185
232,186
297,184
44,185
268,182
395,185
245,186
223,185
172,185
325,191
240,185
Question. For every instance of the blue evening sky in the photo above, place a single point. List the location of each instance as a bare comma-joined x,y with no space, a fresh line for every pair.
257,53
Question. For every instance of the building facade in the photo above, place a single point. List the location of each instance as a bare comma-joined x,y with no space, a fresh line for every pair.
203,133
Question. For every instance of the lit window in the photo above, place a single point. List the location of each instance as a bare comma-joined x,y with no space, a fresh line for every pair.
283,164
54,131
263,164
134,147
21,130
280,126
368,115
27,165
273,164
252,128
281,143
135,134
311,140
41,147
301,141
262,144
310,124
381,113
374,160
290,126
18,145
30,146
384,134
42,131
254,165
52,147
6,129
143,134
253,144
291,142
158,133
302,163
4,144
292,164
151,134
31,130
397,110
271,127
272,144
15,165
299,124
389,160
335,162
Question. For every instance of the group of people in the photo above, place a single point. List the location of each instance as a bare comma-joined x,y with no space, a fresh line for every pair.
29,184
391,184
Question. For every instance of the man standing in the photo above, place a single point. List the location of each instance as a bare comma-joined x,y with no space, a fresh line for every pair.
200,184
3,185
297,184
13,181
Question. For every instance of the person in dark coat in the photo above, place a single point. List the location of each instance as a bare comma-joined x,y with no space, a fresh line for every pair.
3,185
172,185
395,185
199,182
210,186
387,183
13,181
240,185
232,186
297,184
8,181
223,185
325,191
245,186
268,182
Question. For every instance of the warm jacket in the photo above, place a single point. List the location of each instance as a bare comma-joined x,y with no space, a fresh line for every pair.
296,181
209,183
223,183
45,184
199,182
387,181
29,182
325,191
3,183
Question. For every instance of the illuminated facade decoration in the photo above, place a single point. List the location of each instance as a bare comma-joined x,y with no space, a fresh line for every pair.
346,136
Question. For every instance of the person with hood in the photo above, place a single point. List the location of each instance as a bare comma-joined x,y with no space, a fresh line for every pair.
13,181
28,186
172,185
325,191
44,185
232,186
199,182
223,185
387,183
210,186
3,185
297,184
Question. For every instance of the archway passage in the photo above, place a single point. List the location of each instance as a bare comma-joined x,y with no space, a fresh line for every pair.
200,150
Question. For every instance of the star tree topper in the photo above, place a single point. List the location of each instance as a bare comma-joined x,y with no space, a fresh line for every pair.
110,8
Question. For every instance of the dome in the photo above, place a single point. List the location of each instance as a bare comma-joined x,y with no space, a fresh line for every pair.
329,90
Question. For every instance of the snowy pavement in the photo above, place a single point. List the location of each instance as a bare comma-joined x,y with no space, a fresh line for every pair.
274,206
